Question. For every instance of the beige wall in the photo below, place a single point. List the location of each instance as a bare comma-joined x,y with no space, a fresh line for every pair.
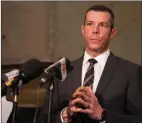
28,30
50,30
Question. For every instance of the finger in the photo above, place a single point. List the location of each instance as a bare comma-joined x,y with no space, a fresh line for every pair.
85,97
65,115
75,109
80,101
91,94
86,111
81,95
90,91
76,103
82,89
66,120
76,94
69,111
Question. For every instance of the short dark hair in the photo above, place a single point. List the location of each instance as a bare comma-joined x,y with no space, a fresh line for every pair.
102,8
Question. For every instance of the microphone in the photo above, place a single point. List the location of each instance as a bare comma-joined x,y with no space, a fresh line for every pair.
60,69
59,62
28,71
7,76
31,70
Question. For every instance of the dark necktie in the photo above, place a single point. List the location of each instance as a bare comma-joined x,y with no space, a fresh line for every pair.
89,76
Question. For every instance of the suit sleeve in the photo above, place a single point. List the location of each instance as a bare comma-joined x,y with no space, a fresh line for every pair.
133,101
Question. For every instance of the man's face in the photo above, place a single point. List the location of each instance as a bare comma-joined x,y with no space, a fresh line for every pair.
97,31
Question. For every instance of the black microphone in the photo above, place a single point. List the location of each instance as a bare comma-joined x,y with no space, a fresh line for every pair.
31,70
28,71
59,69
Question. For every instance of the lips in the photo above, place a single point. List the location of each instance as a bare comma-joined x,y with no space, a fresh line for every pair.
94,39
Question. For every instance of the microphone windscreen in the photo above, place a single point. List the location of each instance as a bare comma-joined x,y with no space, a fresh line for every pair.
62,69
69,66
31,69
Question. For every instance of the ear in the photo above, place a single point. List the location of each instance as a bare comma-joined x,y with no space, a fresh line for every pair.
82,29
113,33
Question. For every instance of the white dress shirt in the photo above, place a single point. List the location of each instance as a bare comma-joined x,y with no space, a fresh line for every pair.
98,69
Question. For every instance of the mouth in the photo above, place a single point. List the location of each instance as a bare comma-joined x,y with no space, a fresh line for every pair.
94,39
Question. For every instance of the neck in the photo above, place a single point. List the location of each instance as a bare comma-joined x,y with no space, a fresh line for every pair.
94,54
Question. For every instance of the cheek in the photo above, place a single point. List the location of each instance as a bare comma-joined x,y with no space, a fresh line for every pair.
87,33
105,36
105,41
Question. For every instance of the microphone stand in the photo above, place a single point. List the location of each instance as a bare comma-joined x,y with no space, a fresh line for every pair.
15,103
51,88
51,79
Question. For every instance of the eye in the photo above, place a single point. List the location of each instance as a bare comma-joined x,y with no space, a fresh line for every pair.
89,24
104,25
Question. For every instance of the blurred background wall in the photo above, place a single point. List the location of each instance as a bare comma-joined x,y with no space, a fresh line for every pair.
49,30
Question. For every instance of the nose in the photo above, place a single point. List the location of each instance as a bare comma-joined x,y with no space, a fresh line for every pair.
95,29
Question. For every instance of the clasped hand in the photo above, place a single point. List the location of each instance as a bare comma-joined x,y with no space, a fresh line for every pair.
85,97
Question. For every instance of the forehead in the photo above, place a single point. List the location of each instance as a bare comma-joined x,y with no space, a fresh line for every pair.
98,16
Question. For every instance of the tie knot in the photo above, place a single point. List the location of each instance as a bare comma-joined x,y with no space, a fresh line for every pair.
92,61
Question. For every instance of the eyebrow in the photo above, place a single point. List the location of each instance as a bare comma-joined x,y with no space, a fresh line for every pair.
89,21
99,22
106,23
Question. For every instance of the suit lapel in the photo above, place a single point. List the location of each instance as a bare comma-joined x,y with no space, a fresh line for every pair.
107,73
77,74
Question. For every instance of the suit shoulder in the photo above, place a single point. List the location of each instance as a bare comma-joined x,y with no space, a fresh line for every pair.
77,61
127,63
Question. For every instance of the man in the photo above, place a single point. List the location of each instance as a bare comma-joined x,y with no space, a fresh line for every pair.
115,96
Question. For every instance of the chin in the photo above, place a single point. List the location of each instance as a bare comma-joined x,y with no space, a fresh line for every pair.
95,48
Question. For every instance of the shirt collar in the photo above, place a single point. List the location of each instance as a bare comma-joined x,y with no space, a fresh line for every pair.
101,59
